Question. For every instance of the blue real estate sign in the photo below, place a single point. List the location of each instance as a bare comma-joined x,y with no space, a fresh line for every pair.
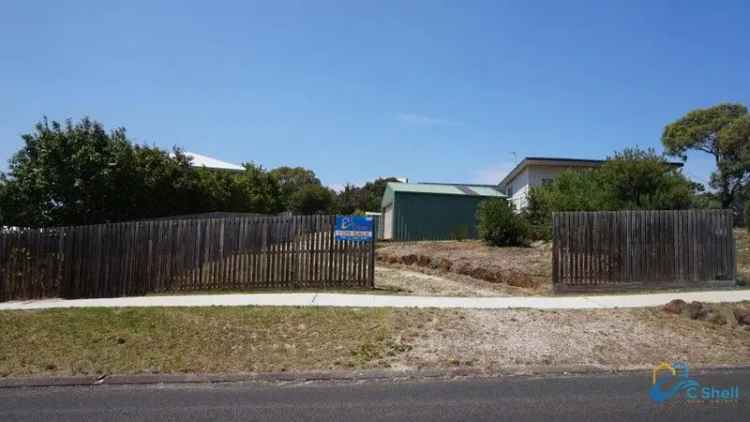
353,227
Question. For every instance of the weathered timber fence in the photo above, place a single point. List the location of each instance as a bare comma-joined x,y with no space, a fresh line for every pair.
642,249
137,258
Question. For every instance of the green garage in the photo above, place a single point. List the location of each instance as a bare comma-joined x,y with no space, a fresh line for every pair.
433,211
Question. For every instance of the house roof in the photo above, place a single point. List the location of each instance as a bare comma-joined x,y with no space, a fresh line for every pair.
557,162
440,189
212,163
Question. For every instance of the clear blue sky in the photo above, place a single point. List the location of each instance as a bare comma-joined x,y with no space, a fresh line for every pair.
438,91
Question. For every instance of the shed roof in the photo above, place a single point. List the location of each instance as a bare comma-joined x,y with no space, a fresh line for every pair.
446,189
440,189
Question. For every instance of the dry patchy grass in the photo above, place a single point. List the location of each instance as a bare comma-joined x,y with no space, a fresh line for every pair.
200,340
255,339
504,271
743,254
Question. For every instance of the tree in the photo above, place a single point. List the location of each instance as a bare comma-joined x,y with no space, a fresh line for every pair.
3,199
311,199
364,198
632,179
637,179
348,199
291,180
153,173
373,193
257,191
499,225
722,131
74,174
570,191
69,174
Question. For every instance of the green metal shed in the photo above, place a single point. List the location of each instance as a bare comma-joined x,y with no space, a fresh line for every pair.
433,211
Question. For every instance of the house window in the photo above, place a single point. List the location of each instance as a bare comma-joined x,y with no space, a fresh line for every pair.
547,181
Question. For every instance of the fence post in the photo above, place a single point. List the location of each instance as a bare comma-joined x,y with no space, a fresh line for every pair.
555,250
371,274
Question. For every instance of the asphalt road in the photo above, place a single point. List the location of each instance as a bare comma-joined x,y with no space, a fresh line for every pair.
596,398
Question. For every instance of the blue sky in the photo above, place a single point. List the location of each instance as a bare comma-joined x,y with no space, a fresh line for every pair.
436,91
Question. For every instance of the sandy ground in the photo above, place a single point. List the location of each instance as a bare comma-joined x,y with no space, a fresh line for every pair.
614,339
509,271
404,280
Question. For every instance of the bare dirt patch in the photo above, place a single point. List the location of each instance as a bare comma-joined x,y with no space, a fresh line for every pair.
404,280
520,270
612,339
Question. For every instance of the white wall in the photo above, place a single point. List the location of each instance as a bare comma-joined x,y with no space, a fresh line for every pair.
539,173
531,176
388,222
519,187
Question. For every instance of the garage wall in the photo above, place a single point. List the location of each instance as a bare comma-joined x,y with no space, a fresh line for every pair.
420,216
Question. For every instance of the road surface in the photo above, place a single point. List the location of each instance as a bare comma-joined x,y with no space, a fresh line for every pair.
596,398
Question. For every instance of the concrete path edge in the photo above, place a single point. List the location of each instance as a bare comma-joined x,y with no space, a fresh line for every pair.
385,301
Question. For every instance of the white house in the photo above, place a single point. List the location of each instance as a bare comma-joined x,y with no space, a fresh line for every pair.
536,171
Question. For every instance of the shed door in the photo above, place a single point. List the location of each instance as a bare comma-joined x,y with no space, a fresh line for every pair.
388,222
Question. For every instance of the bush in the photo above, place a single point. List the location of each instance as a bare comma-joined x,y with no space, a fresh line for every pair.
747,216
498,225
540,232
631,180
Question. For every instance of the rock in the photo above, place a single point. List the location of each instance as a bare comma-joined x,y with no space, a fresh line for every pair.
716,318
696,310
464,269
392,259
517,279
424,261
409,259
742,316
676,306
445,264
483,274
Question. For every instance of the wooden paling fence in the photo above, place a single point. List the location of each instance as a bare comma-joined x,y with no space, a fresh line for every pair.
642,249
136,258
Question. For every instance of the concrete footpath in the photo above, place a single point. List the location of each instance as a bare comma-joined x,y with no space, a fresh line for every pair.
388,301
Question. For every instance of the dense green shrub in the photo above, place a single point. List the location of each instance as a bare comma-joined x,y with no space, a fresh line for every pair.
499,225
630,180
540,232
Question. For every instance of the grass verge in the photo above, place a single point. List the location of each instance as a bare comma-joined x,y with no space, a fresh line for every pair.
97,341
193,340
